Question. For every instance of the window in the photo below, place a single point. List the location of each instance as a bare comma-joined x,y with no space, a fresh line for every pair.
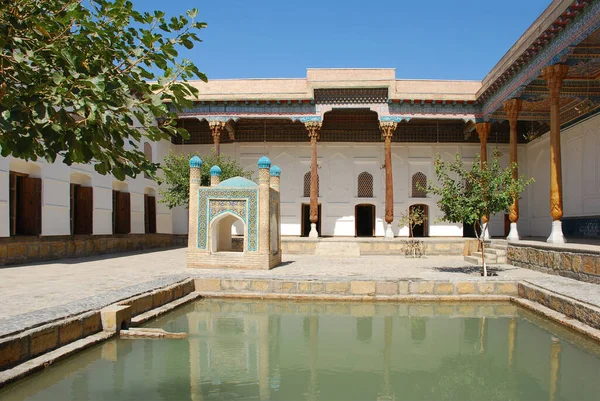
307,177
365,185
419,185
82,210
148,154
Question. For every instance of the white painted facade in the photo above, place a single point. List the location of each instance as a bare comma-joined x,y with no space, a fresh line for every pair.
339,167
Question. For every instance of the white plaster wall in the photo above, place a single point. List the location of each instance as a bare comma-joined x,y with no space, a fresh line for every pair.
580,147
339,167
56,179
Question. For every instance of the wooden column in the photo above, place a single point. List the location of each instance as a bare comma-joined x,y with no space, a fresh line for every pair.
512,108
554,76
387,131
314,128
483,129
217,128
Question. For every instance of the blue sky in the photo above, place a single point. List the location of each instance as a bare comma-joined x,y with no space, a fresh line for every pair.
443,39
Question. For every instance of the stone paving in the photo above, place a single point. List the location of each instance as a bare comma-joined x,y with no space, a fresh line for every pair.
47,291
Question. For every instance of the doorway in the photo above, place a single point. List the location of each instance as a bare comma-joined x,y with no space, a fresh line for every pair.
25,204
469,230
364,220
306,220
421,229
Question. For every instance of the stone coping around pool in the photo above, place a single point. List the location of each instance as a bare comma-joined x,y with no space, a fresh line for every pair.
29,343
33,348
25,321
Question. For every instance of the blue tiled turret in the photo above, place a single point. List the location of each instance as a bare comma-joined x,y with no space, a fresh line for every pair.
264,162
275,171
195,162
215,170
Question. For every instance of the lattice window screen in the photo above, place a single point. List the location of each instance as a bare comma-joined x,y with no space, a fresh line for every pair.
307,185
365,185
419,183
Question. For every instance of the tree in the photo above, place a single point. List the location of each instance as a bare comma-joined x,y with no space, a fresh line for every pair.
86,80
176,171
414,216
467,195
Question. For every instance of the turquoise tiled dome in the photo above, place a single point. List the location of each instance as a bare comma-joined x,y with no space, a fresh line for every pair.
195,162
215,170
264,162
238,182
275,171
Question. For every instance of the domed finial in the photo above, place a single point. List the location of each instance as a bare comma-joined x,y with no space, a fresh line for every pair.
215,171
264,162
275,171
195,162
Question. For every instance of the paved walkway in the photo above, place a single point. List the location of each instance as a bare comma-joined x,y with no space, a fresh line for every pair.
43,291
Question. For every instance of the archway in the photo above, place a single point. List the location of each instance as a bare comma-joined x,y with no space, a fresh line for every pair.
305,229
364,220
421,229
223,238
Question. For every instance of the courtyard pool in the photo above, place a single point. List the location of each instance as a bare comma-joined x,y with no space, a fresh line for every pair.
259,350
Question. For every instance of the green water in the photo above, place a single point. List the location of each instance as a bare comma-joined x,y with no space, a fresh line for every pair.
258,350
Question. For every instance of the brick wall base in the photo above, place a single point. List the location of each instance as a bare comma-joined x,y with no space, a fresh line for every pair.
16,250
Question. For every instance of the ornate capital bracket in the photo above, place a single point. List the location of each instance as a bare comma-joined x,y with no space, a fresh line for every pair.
554,76
216,127
483,129
387,130
230,127
512,107
314,129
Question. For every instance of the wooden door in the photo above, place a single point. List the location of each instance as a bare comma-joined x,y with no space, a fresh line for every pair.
29,206
122,212
84,210
13,202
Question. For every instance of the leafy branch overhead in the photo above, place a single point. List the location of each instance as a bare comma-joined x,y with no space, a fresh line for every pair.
86,81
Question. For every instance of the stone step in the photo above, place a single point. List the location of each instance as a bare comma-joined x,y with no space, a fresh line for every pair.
495,251
490,259
338,249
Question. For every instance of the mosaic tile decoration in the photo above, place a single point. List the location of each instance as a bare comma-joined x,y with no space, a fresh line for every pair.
212,202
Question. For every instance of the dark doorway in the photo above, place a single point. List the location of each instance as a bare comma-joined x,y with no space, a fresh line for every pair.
506,225
421,229
306,220
25,204
469,230
121,212
149,214
364,220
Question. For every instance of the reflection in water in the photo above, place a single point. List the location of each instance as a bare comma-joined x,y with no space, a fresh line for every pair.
323,351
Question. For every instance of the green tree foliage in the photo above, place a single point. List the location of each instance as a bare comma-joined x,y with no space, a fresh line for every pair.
79,78
176,171
466,195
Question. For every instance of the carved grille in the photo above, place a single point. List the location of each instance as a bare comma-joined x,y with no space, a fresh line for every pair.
419,184
365,185
307,185
354,95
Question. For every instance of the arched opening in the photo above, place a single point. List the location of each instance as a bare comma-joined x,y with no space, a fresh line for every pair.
421,229
82,205
365,185
306,191
364,220
469,230
419,185
226,235
148,154
25,198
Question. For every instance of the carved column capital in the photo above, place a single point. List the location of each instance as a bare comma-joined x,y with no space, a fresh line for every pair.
554,76
314,129
483,129
216,127
512,108
387,130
